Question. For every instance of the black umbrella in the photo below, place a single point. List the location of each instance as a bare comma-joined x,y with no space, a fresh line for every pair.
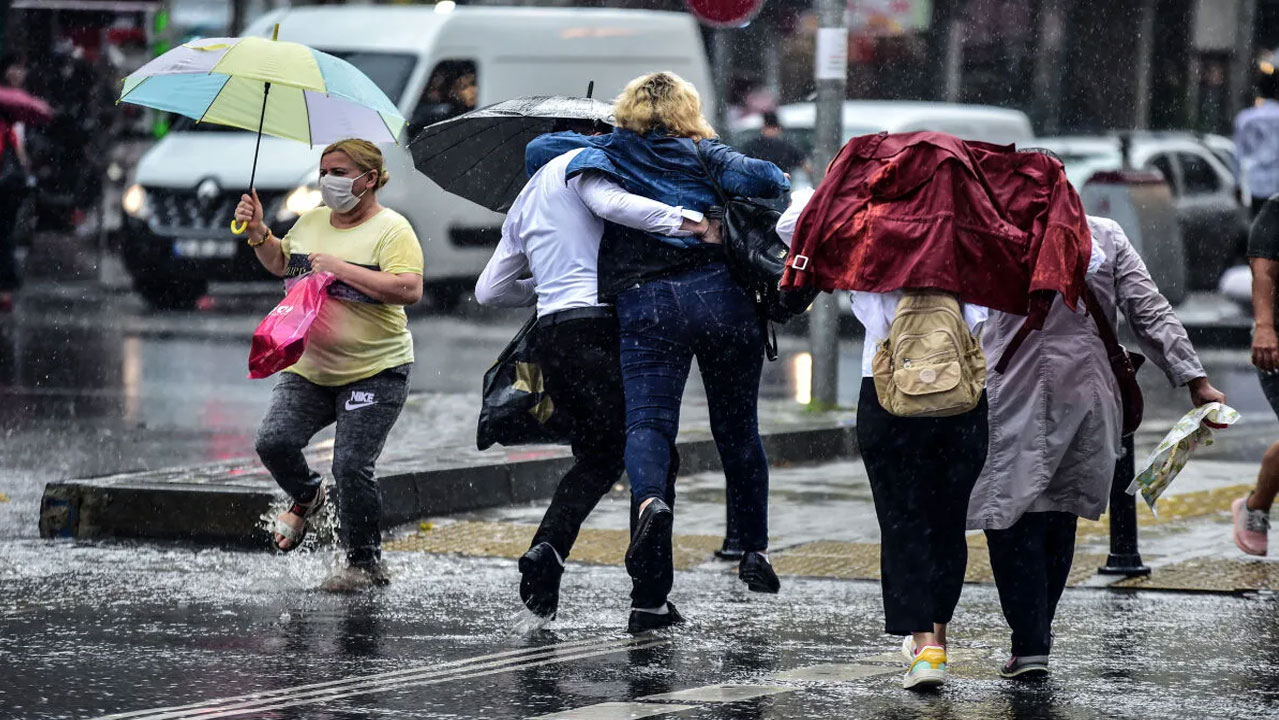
480,155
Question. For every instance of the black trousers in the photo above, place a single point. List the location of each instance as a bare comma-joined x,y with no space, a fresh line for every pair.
9,278
1031,561
583,375
921,471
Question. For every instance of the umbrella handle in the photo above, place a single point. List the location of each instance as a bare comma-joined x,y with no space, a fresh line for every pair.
238,227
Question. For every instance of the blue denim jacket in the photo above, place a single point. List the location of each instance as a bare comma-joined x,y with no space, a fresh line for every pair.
662,168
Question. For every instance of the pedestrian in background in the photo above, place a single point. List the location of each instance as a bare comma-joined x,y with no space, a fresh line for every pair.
1054,435
1252,513
355,370
1257,142
552,232
15,182
676,301
773,146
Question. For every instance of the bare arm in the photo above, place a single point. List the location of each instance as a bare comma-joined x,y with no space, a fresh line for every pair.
385,287
269,252
1265,343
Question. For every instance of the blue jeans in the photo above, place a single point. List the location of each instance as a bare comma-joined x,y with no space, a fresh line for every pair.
665,323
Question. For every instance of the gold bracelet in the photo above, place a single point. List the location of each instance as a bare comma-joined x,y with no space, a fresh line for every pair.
265,237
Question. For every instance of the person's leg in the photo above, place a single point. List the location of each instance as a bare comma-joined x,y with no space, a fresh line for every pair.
366,412
1252,512
1018,558
955,461
1059,541
891,449
582,372
299,409
10,281
656,359
729,345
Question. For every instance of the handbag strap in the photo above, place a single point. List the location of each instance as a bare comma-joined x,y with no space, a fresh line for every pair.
1114,350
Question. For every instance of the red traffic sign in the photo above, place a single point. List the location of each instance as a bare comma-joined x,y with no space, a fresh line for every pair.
724,13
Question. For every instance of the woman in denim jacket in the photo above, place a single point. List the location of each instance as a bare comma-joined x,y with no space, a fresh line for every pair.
675,301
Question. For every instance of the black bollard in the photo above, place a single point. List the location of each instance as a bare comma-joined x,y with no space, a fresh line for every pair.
1124,558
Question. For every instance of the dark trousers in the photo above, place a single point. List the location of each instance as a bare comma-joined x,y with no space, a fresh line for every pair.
665,323
364,411
9,278
921,471
1031,561
579,360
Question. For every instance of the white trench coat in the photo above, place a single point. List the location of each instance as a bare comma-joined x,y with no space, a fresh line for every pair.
1054,415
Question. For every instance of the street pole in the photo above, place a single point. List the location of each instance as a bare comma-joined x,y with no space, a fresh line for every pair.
831,74
1124,558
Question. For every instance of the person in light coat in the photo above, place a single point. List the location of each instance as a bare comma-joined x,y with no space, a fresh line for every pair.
1055,427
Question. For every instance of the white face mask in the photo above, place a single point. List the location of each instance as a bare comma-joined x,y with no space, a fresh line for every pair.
336,192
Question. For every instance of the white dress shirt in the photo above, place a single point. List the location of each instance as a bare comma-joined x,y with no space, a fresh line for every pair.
553,231
875,311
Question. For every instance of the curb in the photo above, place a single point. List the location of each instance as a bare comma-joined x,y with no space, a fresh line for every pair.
133,507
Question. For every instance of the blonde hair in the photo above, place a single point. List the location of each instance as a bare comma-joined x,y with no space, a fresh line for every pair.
662,101
364,154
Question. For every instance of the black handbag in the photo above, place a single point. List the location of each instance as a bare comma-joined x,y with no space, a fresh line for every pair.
756,256
516,409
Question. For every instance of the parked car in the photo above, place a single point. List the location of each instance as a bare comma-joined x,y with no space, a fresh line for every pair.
434,65
1207,196
864,117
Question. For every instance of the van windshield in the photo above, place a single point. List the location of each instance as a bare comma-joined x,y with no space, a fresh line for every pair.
389,71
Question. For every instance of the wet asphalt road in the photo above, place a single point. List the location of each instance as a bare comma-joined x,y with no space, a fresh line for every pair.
92,383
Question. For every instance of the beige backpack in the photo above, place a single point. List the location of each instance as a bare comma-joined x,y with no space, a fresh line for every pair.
930,365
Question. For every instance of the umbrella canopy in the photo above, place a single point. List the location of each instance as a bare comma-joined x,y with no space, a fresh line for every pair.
21,106
480,155
310,96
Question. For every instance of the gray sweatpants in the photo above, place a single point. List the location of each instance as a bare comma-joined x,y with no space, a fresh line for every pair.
364,412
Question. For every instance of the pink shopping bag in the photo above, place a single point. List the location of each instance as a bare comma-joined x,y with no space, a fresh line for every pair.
281,336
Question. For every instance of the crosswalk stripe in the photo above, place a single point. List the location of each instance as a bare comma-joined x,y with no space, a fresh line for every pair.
427,674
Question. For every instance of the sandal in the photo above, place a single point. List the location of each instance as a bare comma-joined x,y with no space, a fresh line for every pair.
282,531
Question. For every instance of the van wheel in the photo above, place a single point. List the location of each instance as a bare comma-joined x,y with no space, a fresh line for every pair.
165,293
446,295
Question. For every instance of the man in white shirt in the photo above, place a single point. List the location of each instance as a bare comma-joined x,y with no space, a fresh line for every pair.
553,231
1257,143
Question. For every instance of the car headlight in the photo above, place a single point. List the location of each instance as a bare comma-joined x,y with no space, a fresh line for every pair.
302,199
135,202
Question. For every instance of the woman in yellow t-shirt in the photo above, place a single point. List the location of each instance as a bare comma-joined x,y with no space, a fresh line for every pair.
355,371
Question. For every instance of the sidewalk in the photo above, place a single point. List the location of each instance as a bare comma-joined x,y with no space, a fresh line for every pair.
822,525
430,467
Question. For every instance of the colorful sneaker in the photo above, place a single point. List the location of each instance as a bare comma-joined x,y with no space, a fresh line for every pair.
927,670
1027,667
1251,527
908,649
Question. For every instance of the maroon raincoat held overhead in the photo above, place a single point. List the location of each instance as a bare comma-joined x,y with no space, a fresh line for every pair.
991,225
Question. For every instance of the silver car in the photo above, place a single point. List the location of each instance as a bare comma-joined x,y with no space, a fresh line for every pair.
1213,220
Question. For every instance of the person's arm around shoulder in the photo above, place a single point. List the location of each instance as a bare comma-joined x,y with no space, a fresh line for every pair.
742,175
609,201
398,281
267,247
1152,319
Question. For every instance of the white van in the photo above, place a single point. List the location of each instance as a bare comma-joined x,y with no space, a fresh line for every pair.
434,62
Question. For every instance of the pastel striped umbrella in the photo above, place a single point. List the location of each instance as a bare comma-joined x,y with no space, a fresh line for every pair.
278,88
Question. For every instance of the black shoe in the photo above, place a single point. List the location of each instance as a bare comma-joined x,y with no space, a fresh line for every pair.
642,622
540,571
730,550
649,554
757,572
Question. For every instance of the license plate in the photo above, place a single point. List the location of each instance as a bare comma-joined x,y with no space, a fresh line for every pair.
203,248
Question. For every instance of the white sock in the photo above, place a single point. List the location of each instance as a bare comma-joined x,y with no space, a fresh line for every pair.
664,609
